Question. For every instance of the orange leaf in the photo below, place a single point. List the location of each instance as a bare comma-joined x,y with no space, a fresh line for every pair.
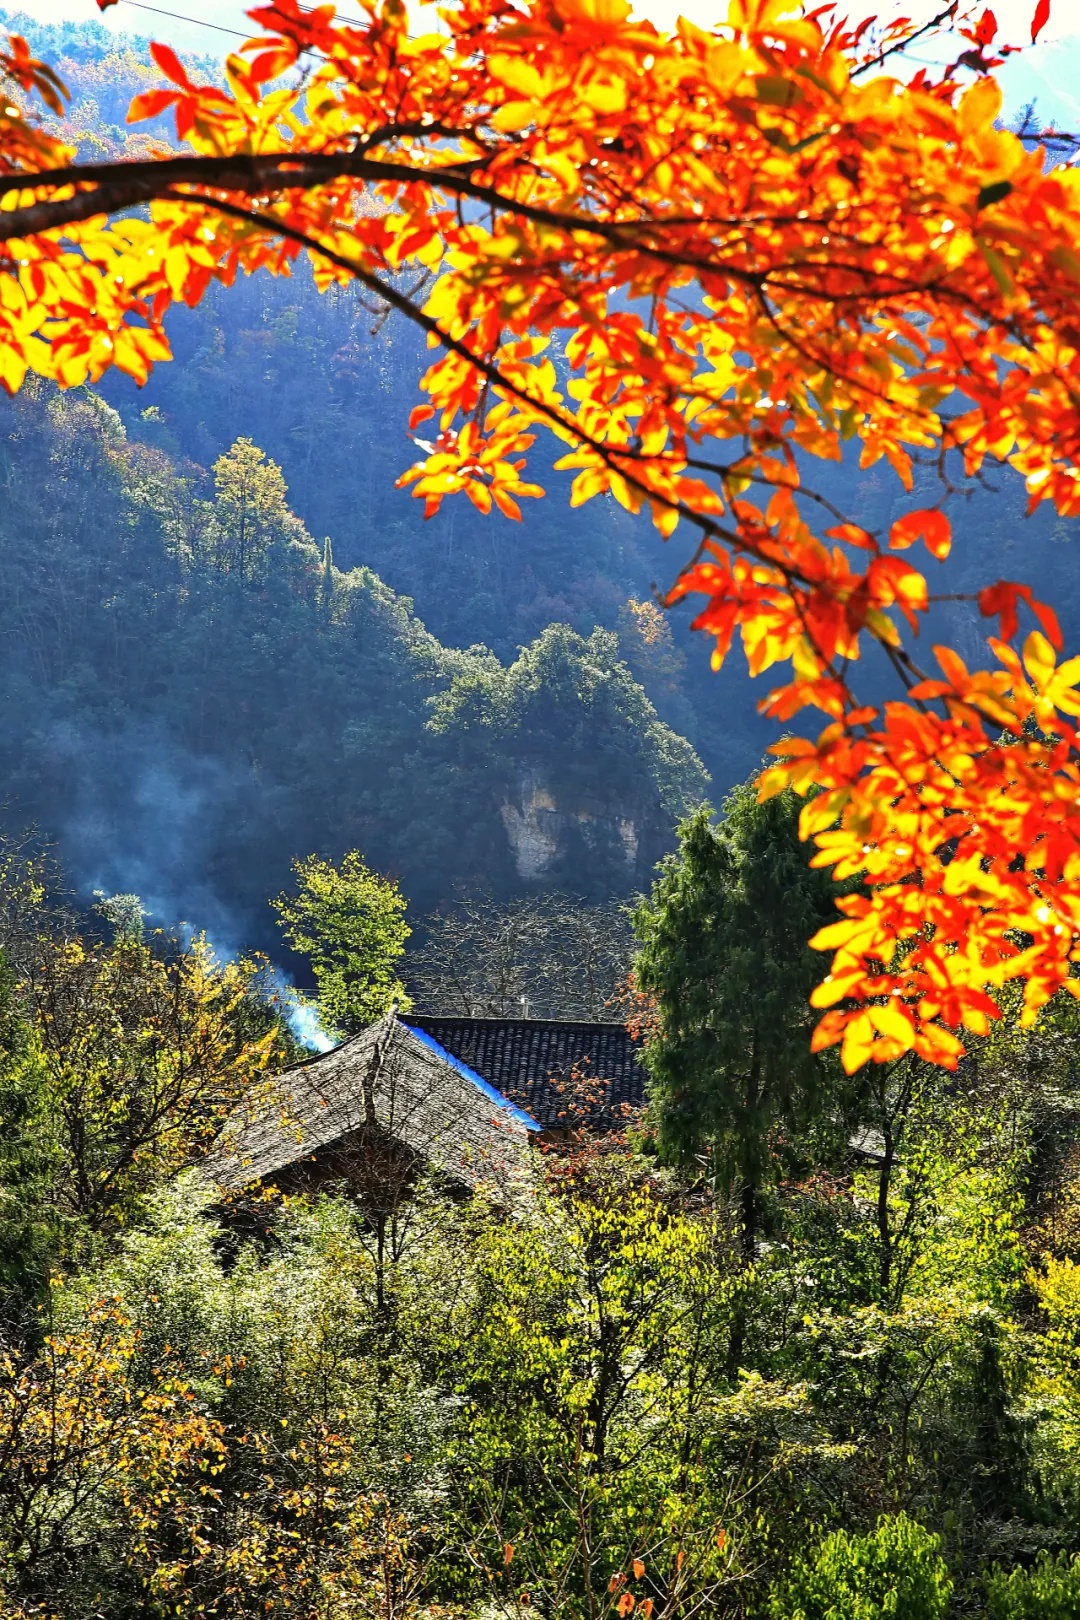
506,503
269,64
929,524
1049,621
150,103
1002,599
852,535
170,64
986,28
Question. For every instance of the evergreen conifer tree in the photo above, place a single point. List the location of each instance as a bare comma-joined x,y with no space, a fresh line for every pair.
724,951
327,574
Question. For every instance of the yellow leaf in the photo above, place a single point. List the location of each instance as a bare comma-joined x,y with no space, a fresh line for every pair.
605,93
518,74
1038,658
834,936
561,168
979,106
513,116
665,518
891,1021
858,1043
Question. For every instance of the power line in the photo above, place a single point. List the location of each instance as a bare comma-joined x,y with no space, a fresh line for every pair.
200,22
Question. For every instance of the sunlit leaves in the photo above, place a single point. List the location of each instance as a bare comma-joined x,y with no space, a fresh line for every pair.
87,1434
933,527
701,260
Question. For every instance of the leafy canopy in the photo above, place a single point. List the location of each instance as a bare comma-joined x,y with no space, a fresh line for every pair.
897,1569
350,923
702,260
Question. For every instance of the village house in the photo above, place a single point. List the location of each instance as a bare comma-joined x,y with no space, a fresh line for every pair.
466,1098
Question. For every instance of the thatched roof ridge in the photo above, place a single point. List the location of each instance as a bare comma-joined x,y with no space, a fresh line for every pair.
388,1079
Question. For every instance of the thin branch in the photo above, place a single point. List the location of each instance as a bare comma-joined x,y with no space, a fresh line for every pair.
947,14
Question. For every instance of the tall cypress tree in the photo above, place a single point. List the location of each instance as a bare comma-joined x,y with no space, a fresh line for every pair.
724,951
327,582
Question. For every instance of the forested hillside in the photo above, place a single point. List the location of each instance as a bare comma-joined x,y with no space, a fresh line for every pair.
194,694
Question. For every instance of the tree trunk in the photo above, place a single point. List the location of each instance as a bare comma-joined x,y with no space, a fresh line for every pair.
748,1207
748,1194
748,1221
884,1230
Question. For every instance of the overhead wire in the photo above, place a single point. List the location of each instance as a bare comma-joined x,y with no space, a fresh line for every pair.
199,22
218,28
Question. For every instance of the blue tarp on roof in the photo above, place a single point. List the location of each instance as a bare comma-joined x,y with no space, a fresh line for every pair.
477,1080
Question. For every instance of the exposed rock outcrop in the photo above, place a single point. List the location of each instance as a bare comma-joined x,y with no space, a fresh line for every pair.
540,829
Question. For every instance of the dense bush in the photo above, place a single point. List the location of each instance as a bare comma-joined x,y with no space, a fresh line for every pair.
895,1570
1049,1591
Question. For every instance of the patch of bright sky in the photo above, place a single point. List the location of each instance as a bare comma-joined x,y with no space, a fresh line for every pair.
1048,73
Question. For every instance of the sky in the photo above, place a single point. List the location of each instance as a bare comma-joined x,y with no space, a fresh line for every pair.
1047,73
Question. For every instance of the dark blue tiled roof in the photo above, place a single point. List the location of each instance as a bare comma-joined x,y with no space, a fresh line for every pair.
563,1074
471,1075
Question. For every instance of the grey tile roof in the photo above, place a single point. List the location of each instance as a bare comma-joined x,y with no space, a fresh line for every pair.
563,1074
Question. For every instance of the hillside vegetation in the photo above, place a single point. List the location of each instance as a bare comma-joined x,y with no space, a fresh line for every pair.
194,693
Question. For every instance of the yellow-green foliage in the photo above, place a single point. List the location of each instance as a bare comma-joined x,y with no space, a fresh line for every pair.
896,1570
1050,1591
350,923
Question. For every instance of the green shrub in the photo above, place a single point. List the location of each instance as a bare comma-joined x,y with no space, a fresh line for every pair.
1050,1591
896,1570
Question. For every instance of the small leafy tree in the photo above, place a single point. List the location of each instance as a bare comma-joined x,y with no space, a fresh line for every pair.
724,952
92,1444
250,511
1050,1591
134,1061
599,1439
896,1570
350,923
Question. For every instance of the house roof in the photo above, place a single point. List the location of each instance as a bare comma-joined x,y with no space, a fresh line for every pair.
563,1074
389,1079
463,1094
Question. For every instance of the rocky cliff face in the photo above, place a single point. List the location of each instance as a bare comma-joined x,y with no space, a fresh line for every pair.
542,831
